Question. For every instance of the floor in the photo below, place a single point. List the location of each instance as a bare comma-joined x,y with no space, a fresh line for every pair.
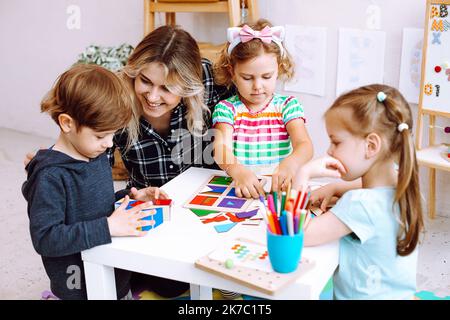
23,277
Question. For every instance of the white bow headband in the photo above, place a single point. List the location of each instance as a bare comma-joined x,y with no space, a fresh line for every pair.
236,35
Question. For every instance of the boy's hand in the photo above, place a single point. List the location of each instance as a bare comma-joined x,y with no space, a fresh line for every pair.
124,222
148,194
246,183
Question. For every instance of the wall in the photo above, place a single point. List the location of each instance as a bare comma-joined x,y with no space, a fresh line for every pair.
37,46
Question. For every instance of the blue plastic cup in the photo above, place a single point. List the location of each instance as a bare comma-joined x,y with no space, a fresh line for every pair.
284,251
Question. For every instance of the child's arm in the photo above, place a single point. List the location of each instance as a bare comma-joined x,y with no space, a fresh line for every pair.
324,194
323,229
53,236
302,153
124,222
247,184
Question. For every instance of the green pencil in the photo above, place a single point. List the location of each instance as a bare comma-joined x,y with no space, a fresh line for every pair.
283,200
302,219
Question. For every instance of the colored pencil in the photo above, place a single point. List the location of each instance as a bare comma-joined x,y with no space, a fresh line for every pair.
290,223
270,203
275,202
296,224
283,201
283,223
302,219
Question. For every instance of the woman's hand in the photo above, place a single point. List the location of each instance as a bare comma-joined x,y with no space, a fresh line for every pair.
246,183
148,194
124,222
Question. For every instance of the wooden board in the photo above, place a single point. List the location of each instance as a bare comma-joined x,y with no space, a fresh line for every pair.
217,194
257,275
435,81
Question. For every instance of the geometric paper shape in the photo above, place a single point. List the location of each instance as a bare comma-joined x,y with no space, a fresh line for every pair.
224,227
203,200
218,218
247,214
202,212
232,203
213,190
232,193
221,180
233,217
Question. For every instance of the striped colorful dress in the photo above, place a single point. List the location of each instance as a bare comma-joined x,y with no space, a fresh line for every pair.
260,139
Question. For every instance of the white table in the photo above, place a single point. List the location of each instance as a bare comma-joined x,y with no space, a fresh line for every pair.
170,251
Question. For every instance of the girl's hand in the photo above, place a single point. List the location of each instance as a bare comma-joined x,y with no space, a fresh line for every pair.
148,194
246,183
323,196
124,222
284,174
321,167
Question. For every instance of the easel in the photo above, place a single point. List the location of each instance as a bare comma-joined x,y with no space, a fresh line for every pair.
434,99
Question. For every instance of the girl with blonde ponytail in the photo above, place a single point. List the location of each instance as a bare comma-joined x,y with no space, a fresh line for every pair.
379,222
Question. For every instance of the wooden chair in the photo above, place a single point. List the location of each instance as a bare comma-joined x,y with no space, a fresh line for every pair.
171,7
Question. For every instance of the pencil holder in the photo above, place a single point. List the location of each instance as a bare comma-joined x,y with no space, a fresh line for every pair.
284,251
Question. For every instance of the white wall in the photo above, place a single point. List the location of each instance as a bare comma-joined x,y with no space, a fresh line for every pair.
36,46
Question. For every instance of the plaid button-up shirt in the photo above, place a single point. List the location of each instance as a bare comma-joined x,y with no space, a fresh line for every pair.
154,160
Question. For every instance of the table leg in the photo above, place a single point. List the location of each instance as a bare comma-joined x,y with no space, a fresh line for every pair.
200,292
100,282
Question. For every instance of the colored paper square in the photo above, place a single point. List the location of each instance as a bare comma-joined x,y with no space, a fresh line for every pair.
221,180
203,200
232,203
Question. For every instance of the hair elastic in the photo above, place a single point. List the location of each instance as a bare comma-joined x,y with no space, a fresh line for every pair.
236,35
381,96
402,126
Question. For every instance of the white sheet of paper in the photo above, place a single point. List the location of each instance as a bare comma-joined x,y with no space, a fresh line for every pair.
411,64
308,47
360,58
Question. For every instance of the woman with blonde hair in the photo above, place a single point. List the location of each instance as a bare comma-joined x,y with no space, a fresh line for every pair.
173,94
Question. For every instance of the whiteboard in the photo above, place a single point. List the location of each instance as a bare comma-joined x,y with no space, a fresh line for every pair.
435,89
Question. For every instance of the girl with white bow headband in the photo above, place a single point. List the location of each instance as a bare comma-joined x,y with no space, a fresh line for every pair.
258,130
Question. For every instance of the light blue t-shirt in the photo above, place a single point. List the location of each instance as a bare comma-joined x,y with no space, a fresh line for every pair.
369,266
